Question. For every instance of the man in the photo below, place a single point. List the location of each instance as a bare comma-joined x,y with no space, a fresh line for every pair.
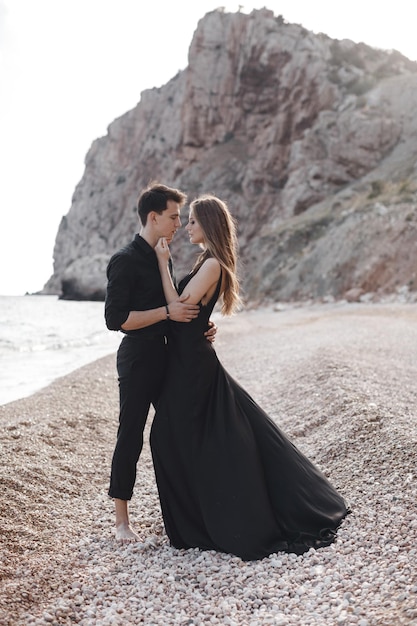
135,304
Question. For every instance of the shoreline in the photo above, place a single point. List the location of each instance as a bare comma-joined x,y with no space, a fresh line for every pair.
42,338
70,359
339,380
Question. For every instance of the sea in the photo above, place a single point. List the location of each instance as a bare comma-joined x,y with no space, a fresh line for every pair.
43,338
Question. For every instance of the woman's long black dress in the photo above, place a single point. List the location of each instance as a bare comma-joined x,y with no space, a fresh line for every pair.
228,478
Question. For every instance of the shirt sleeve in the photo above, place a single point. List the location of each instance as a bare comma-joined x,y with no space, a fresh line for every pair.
119,288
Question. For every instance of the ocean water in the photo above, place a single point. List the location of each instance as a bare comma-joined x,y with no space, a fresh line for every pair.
43,338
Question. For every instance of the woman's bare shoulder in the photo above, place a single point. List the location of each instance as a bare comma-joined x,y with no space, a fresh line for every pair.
211,265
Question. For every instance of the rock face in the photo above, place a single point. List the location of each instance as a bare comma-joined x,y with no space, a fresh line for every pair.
310,140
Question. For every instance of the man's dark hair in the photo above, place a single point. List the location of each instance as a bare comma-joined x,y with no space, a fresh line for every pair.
155,198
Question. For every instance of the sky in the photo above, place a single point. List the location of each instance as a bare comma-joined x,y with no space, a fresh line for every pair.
68,69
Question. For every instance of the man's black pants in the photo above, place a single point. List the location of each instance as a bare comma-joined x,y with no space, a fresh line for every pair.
141,366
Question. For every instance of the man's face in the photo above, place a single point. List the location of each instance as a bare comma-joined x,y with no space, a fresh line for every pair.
169,221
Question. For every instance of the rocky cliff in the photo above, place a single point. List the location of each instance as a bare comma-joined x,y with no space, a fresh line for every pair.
312,142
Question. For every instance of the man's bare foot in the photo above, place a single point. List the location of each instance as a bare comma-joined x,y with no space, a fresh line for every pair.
125,533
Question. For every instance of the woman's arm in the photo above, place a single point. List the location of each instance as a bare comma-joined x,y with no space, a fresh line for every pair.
200,284
162,253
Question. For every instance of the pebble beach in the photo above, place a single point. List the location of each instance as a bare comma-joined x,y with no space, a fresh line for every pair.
339,379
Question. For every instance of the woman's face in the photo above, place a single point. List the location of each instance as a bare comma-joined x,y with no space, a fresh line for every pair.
194,230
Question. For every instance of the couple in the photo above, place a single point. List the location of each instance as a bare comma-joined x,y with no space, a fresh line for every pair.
228,478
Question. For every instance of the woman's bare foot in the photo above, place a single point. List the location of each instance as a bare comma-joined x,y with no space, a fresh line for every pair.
125,533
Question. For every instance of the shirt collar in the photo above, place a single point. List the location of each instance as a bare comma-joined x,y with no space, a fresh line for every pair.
141,244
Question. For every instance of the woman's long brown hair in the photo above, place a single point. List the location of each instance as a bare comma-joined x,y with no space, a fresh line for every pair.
220,242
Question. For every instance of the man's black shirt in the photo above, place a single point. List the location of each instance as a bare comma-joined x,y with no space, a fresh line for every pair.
134,284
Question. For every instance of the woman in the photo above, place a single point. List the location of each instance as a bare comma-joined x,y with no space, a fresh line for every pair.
228,478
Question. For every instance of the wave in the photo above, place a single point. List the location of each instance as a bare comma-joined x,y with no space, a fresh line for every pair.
56,343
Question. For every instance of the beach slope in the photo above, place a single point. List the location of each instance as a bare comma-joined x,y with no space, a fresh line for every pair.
339,379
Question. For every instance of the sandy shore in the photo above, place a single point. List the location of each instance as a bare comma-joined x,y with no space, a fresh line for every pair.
341,380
